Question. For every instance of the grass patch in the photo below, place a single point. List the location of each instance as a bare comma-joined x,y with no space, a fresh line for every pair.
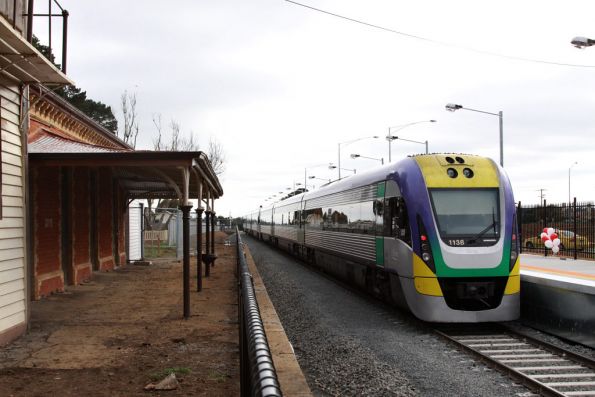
157,376
218,377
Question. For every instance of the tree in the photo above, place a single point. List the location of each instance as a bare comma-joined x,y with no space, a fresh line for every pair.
216,156
130,130
177,142
98,111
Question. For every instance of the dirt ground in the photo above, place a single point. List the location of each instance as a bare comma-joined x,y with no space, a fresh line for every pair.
124,329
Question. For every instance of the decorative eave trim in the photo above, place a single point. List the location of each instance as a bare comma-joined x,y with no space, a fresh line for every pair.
54,112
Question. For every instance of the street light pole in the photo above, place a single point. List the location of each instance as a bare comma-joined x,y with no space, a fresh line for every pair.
354,156
347,143
451,107
410,140
569,168
390,137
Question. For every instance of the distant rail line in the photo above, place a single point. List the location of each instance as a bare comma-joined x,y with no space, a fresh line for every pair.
544,368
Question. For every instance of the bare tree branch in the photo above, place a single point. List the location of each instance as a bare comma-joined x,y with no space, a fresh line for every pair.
130,128
175,135
216,156
158,142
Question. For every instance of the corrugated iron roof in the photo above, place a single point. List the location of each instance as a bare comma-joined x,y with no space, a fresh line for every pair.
48,143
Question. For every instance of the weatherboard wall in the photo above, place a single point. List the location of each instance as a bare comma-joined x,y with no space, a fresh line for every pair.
13,301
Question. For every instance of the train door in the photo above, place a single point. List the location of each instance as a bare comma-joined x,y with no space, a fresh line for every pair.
258,225
397,232
299,219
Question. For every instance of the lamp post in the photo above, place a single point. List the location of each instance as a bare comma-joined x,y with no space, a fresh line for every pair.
451,107
390,138
320,179
569,168
354,156
308,168
332,167
410,140
338,167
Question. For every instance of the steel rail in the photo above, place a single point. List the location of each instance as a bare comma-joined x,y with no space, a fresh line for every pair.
257,370
543,361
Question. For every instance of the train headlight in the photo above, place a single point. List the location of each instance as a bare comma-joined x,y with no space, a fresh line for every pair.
424,245
468,172
514,247
451,172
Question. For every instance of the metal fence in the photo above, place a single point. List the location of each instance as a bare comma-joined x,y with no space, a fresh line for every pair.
257,371
574,223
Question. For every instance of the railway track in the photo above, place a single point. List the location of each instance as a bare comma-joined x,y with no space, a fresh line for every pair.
546,369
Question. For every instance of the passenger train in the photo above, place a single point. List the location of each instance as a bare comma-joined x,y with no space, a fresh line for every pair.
435,234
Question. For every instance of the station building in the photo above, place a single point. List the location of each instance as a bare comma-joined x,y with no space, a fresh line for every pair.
67,182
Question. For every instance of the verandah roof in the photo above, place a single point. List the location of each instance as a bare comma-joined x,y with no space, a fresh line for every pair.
145,174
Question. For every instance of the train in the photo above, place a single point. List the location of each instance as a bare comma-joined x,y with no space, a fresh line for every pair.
435,234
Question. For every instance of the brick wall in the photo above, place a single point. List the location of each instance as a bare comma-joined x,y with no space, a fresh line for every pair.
104,219
46,212
46,181
81,248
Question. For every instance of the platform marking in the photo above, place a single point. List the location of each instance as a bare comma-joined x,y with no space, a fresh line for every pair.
559,272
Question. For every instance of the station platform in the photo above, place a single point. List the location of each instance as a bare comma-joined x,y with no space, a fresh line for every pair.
558,296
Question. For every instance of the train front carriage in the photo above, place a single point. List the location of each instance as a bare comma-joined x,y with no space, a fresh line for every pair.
435,234
455,215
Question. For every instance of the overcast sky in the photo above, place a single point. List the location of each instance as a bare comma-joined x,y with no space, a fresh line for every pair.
280,85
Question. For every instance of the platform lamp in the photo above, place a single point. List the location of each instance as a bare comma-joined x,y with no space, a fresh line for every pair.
452,107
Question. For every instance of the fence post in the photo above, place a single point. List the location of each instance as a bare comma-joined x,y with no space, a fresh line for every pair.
574,225
544,222
519,226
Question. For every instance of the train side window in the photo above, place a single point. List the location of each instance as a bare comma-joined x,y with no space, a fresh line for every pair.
396,219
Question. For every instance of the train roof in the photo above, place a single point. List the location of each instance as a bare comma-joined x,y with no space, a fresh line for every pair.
365,178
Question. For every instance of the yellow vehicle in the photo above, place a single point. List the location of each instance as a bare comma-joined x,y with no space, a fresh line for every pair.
566,241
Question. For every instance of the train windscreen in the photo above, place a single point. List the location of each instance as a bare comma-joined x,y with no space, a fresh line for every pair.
467,216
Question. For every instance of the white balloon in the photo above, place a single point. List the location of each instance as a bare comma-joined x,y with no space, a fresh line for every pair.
549,243
556,242
544,234
555,249
550,230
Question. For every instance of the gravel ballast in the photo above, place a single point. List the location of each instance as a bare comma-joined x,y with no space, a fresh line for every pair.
348,344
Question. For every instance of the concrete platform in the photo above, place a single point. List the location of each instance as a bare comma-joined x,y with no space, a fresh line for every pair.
558,296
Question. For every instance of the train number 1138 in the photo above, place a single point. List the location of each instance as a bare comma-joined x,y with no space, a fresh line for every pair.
456,242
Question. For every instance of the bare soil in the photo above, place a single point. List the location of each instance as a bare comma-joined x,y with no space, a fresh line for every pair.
124,329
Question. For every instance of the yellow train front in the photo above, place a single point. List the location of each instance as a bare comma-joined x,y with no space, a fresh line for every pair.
463,244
